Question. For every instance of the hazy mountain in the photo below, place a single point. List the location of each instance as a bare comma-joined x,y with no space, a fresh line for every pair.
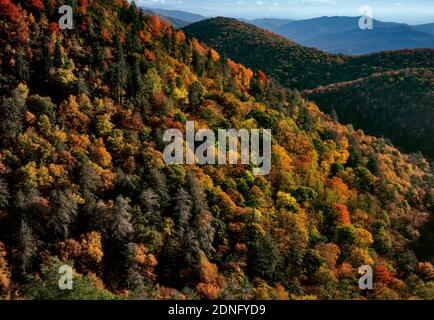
178,15
175,22
343,35
359,41
332,34
269,23
428,28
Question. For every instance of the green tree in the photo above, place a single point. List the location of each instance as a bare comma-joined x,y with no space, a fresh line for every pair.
118,72
46,287
196,93
4,194
11,122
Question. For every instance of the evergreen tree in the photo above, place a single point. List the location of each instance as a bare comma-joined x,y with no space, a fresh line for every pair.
64,211
198,63
158,180
90,182
121,220
11,122
334,116
196,94
22,66
151,204
47,61
98,57
119,74
26,247
58,55
264,258
183,210
4,194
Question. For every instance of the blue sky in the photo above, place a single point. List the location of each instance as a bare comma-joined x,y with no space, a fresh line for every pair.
409,11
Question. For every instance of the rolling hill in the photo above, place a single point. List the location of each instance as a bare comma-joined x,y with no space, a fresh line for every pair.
304,68
296,66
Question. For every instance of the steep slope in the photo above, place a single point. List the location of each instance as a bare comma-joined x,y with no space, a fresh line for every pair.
398,105
83,181
303,68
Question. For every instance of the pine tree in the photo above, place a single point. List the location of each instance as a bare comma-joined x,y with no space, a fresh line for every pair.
22,66
119,74
263,258
99,57
137,80
151,204
158,180
198,63
11,121
121,225
135,281
4,194
90,182
196,94
334,116
64,211
26,247
183,211
47,61
58,55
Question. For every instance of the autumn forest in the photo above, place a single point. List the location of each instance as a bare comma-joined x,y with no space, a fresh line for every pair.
83,182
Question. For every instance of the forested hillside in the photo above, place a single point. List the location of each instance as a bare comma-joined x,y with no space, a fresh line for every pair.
83,181
375,92
396,104
295,66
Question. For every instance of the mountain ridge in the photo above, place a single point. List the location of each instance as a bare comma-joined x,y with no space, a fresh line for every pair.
302,68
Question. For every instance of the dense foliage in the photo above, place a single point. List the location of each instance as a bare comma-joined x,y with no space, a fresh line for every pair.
295,66
376,92
83,182
398,105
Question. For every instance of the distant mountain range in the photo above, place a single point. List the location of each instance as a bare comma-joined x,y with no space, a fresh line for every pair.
177,18
343,35
331,34
386,94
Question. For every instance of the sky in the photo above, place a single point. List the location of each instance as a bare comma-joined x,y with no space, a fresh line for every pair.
407,11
